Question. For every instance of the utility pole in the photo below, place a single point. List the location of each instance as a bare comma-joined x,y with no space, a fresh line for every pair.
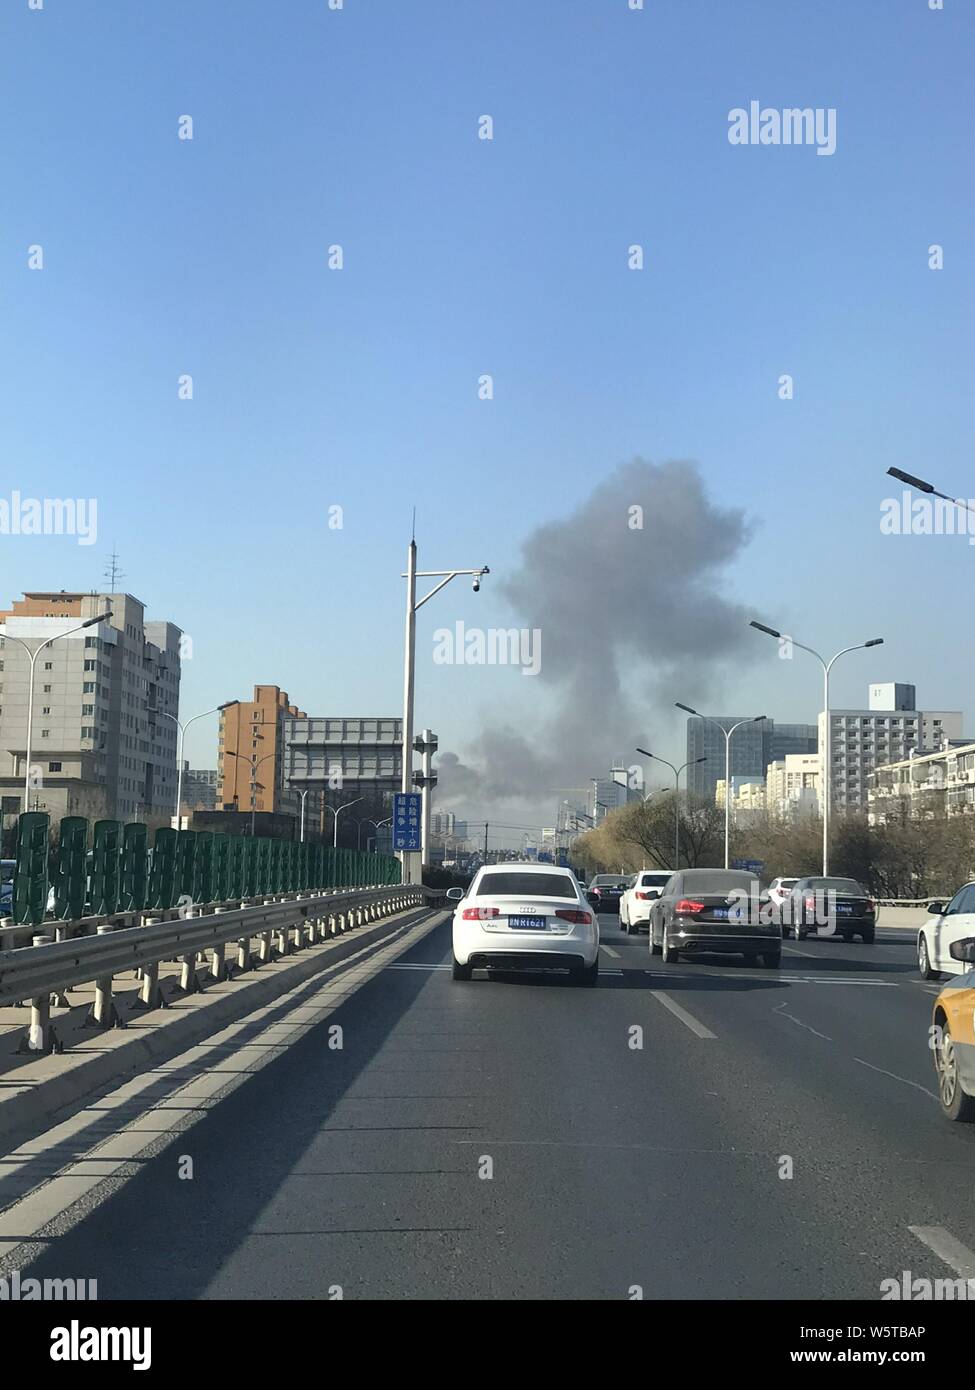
485,841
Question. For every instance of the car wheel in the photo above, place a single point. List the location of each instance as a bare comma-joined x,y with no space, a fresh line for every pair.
771,959
847,935
654,948
670,956
586,975
924,960
461,972
956,1104
867,937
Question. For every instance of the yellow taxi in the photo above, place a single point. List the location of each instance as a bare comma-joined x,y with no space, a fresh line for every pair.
953,1037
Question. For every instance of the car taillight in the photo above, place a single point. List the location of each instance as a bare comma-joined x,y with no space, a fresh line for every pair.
644,897
475,914
871,908
809,902
686,906
574,914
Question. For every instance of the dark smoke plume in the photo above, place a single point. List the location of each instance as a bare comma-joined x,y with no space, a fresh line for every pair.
630,619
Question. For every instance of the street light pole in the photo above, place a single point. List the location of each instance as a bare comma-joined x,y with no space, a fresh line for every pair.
827,752
677,772
409,659
727,767
180,739
335,817
253,765
32,656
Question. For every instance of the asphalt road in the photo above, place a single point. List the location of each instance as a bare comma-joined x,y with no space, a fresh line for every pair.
612,1167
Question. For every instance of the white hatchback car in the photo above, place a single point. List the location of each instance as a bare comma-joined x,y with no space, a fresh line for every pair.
640,896
947,922
525,917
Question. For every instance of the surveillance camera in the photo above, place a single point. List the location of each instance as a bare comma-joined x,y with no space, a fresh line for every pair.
477,583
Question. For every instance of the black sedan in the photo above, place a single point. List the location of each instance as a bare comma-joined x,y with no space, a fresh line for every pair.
716,910
605,891
829,907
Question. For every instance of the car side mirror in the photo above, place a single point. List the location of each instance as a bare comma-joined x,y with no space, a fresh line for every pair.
936,909
963,950
454,895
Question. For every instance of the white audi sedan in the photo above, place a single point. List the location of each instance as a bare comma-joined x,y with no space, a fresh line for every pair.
525,917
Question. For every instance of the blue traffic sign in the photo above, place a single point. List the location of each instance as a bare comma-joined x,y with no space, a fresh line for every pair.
407,821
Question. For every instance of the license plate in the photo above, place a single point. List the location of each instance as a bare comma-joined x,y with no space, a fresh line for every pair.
719,912
845,908
527,923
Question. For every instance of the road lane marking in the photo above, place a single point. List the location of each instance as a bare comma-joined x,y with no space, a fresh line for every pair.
779,1010
955,1255
794,951
894,1077
609,950
687,1019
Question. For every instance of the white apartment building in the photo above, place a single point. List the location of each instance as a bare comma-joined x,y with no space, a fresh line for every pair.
96,748
924,787
863,739
792,786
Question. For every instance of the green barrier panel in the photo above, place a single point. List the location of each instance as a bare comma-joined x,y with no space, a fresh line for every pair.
306,867
69,878
275,875
105,889
203,876
328,867
162,877
263,865
31,873
294,870
185,866
221,867
250,867
134,888
238,867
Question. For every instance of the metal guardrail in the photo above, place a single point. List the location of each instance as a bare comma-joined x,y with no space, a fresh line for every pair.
284,924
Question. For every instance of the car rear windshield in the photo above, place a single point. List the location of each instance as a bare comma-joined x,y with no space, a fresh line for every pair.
837,885
607,879
527,885
717,881
788,882
654,880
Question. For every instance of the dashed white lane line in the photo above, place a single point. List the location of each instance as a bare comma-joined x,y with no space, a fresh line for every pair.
894,1077
609,950
687,1019
955,1255
794,951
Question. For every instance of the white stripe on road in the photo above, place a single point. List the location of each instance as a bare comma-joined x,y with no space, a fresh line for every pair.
609,950
688,1019
957,1256
894,1077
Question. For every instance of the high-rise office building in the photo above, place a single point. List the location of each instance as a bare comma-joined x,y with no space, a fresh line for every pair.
705,740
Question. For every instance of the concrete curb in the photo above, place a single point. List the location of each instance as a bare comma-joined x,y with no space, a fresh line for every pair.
51,1088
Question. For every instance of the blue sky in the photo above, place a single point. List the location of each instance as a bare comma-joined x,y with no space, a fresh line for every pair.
359,388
